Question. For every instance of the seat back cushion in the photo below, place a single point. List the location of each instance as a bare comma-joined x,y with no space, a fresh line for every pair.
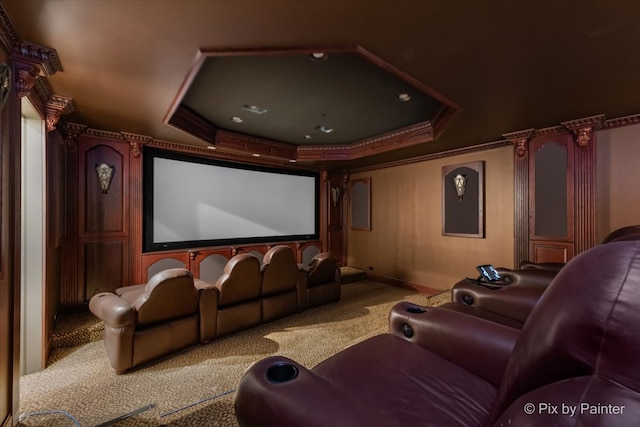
279,270
168,295
241,280
322,269
586,324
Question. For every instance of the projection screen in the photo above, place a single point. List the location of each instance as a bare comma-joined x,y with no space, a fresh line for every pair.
197,202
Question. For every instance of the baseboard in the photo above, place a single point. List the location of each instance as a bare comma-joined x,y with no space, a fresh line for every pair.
402,284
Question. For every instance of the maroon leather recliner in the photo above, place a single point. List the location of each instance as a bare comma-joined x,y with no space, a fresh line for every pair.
574,363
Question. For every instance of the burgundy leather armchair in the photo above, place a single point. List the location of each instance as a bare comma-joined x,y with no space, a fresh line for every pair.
573,363
147,321
508,302
322,280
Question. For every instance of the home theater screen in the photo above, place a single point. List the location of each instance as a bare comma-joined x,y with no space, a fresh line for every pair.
196,202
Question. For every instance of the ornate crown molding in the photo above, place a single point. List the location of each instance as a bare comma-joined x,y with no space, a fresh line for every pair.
32,60
583,129
136,142
55,107
71,132
521,140
622,121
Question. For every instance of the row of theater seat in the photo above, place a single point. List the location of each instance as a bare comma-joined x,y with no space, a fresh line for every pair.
174,310
574,362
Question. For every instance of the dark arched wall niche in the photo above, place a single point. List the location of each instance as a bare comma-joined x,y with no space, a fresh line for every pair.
463,200
361,204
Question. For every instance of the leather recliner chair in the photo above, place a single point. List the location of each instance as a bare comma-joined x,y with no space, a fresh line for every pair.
573,363
282,293
508,302
239,304
322,280
149,321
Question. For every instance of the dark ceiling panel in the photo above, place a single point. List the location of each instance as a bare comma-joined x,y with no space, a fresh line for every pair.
343,92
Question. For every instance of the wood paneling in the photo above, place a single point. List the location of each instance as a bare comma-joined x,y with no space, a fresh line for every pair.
548,251
103,266
103,213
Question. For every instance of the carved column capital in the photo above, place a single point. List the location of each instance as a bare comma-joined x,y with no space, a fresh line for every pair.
325,176
136,142
71,132
56,107
27,74
583,129
521,141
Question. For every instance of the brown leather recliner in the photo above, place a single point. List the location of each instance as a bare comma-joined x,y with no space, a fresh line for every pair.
282,293
575,362
149,321
239,304
322,280
509,304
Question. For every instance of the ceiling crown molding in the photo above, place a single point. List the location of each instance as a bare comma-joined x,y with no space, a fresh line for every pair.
521,140
31,60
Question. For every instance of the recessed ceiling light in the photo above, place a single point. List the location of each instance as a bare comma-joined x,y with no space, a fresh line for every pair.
211,147
236,119
324,129
404,97
319,56
307,137
256,155
254,109
292,160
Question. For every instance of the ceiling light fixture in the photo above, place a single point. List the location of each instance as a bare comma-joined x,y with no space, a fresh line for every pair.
211,147
404,97
256,155
307,137
254,109
236,119
292,160
324,129
319,56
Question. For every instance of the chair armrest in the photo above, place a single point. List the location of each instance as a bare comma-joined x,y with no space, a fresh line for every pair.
301,401
207,309
477,345
530,276
113,310
552,266
514,301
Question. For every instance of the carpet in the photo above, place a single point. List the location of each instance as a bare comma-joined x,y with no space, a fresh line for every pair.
196,387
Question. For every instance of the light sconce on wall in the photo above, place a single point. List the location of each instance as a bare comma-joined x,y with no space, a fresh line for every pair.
460,182
335,194
5,83
105,175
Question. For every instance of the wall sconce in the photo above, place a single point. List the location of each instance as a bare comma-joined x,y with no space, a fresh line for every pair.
460,181
5,83
335,194
105,174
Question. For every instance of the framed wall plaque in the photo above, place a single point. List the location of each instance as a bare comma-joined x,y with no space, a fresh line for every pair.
463,200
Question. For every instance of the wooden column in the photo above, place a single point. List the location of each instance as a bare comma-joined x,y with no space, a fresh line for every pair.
136,144
584,131
521,193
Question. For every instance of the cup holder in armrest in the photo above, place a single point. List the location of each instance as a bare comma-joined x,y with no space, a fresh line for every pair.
415,309
281,373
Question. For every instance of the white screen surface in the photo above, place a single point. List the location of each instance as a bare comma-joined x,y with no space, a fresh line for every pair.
196,201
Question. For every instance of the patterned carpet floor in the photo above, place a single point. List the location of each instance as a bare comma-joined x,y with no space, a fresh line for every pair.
196,387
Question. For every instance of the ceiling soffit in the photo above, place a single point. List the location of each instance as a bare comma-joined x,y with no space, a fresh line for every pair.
306,104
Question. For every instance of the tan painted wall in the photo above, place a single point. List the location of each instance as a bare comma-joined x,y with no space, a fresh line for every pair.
617,178
406,241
